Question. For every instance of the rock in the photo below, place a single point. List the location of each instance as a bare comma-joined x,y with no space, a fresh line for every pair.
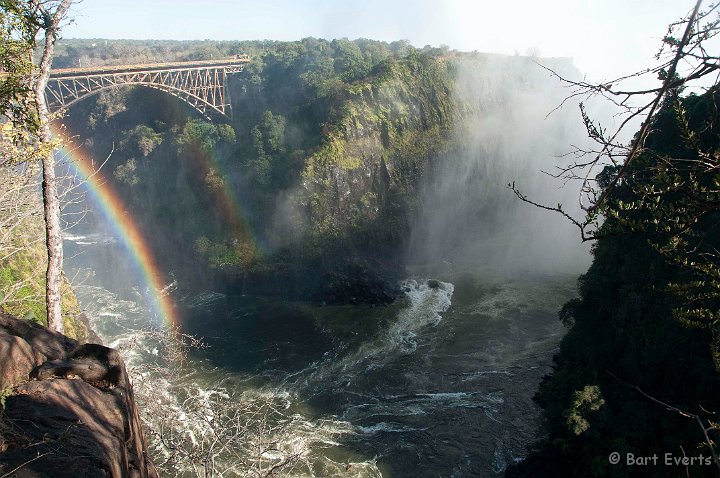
433,284
17,360
72,413
355,283
51,345
92,363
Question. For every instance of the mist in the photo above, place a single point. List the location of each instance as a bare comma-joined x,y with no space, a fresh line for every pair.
468,219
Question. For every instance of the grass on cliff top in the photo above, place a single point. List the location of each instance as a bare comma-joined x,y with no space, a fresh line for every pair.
22,280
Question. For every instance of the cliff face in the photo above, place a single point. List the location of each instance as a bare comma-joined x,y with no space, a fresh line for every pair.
361,185
68,409
628,343
314,187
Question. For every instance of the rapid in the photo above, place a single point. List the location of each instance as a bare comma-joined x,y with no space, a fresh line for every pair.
438,384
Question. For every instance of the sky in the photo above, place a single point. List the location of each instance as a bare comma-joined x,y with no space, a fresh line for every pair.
605,38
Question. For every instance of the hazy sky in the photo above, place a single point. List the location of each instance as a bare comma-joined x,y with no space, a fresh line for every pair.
606,38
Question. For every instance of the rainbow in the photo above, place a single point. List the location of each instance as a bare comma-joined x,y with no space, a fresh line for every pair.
227,201
126,230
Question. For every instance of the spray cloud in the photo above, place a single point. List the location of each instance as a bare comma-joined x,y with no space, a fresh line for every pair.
469,219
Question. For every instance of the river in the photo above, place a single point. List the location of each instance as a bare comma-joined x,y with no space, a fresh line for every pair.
438,384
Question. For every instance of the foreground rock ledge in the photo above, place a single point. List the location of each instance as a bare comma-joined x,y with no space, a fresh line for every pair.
69,409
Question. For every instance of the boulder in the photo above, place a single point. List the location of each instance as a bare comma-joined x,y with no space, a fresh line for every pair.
433,283
71,412
17,360
355,282
45,342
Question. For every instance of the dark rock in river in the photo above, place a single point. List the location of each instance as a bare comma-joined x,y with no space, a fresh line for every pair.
433,283
69,408
355,283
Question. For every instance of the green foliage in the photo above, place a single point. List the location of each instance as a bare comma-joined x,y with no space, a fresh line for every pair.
214,180
260,164
109,103
623,326
4,394
624,334
268,142
199,133
144,139
584,401
74,53
310,119
672,194
205,135
397,120
350,63
272,129
22,286
226,133
17,39
126,172
19,118
234,253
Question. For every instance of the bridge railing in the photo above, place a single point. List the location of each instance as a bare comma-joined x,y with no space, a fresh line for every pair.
239,60
199,83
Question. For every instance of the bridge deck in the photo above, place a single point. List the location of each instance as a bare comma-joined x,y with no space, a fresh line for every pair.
95,70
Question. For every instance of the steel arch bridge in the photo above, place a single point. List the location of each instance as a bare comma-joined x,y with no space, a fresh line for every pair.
201,84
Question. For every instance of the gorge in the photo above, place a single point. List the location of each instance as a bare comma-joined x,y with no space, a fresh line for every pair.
351,174
338,279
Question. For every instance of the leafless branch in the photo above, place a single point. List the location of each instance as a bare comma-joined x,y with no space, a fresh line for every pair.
704,429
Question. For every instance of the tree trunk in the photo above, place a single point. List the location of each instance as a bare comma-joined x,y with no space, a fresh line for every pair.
51,201
53,241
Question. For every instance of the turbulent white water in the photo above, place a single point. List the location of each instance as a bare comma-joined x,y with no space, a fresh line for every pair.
198,398
88,239
438,384
199,402
425,306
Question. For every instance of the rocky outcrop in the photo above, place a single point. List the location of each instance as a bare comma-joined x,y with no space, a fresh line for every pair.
69,409
356,283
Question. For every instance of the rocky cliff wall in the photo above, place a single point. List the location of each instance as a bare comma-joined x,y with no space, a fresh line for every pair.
68,408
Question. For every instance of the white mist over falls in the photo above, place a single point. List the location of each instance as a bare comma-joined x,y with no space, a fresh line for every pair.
514,132
439,383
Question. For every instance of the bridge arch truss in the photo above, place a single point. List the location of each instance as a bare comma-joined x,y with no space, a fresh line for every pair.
201,84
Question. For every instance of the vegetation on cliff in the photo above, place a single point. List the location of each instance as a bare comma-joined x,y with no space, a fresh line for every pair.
23,259
31,281
320,164
22,292
637,372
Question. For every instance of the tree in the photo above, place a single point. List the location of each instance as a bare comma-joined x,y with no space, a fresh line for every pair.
350,63
660,189
17,144
23,103
51,14
669,193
